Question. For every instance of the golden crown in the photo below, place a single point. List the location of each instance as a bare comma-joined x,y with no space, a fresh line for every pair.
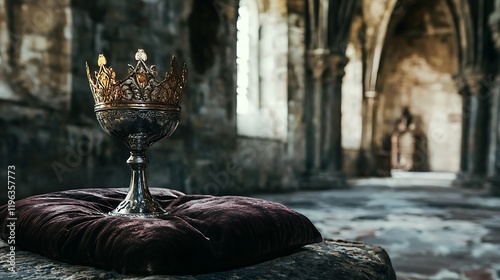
140,86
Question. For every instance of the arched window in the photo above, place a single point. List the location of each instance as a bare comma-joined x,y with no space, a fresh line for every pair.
247,56
243,58
261,87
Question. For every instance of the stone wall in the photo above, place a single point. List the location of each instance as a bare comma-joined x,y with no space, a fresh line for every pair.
35,86
36,48
51,133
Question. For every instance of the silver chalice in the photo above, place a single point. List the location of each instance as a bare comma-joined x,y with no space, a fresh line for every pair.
139,111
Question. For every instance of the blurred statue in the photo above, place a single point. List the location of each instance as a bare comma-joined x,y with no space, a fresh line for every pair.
403,142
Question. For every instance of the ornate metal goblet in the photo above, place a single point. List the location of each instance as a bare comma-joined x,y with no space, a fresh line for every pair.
139,111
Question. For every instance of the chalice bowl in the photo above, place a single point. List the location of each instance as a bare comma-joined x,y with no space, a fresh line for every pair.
138,110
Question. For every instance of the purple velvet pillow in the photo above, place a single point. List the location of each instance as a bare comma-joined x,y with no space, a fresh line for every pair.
202,234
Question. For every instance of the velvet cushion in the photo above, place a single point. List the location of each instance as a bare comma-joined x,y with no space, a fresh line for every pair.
202,233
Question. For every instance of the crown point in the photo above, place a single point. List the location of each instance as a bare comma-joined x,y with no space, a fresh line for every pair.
141,55
101,61
141,84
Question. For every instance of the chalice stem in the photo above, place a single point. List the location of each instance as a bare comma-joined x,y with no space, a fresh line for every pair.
138,200
139,110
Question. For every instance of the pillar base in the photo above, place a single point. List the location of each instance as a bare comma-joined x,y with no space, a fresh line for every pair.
493,184
470,181
323,180
367,164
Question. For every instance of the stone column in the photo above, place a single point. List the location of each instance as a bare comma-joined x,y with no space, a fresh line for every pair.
464,145
368,122
494,153
366,151
476,120
494,136
331,161
324,149
317,66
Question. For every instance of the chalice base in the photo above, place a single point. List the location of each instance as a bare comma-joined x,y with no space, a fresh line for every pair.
139,202
151,209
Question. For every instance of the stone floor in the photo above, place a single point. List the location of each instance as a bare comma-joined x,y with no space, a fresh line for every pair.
429,229
321,261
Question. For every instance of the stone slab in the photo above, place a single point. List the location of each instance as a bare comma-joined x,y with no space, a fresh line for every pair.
331,259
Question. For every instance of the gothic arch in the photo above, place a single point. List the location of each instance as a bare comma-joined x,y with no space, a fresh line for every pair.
376,56
464,41
463,29
464,33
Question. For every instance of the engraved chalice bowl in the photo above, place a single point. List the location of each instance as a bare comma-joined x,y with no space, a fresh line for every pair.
138,110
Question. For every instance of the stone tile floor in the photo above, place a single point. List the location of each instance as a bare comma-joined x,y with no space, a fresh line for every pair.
430,232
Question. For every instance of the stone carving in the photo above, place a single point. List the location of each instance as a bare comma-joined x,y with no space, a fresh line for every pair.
147,115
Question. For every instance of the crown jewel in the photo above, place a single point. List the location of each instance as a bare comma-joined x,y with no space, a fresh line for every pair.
141,84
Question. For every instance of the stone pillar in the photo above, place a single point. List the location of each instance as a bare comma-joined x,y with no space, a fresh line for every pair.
494,148
464,145
366,151
476,116
494,153
324,148
316,63
331,161
369,120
